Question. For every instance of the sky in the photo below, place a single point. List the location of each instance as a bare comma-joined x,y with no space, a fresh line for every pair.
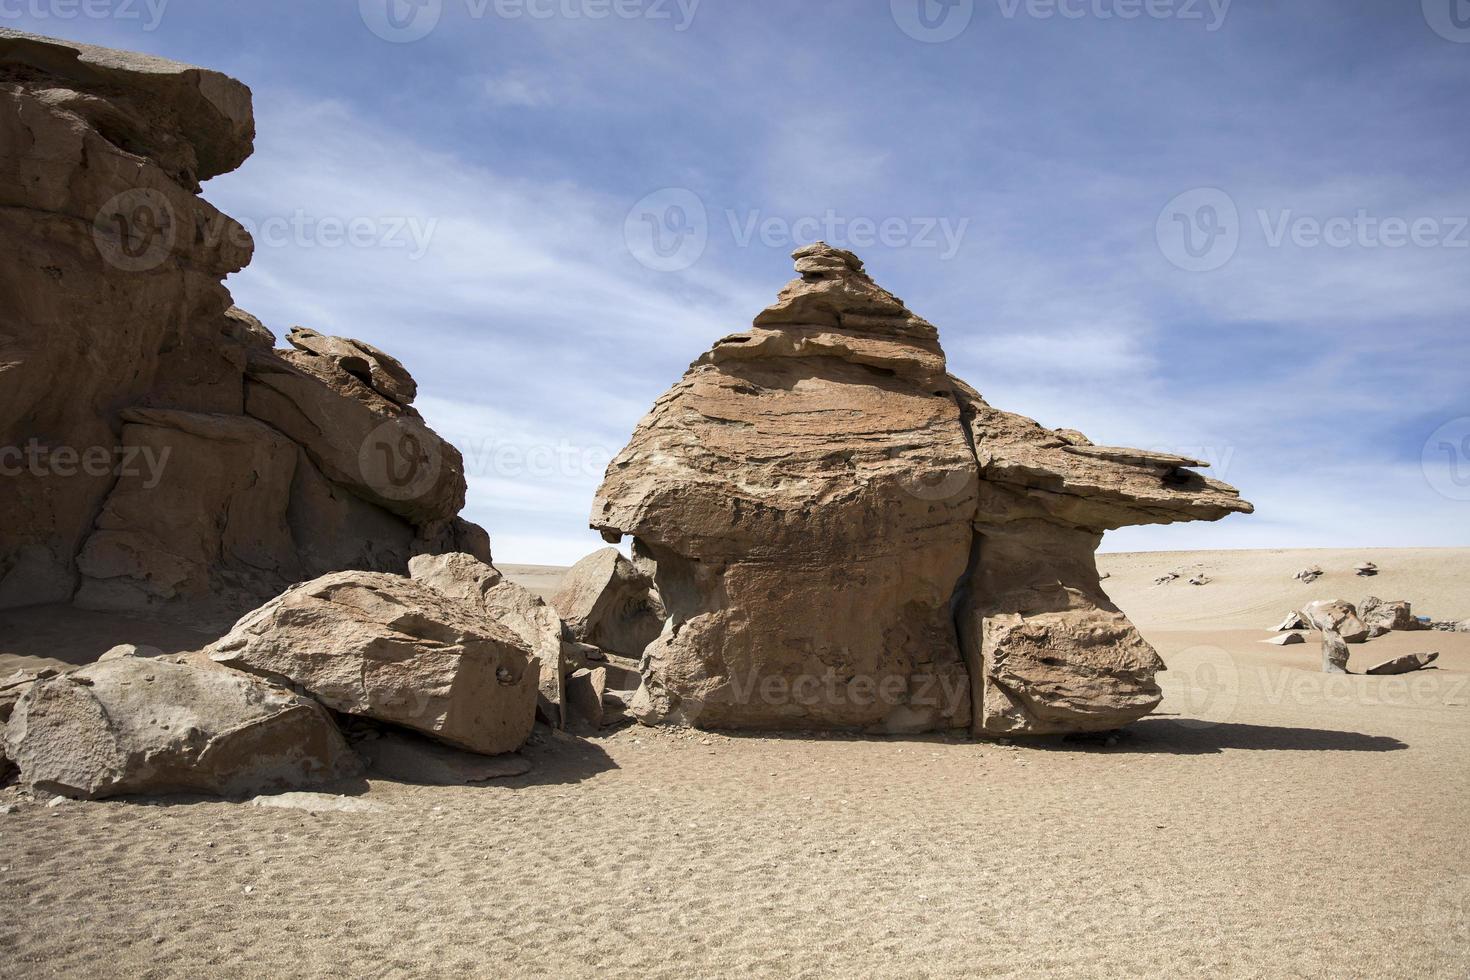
1233,230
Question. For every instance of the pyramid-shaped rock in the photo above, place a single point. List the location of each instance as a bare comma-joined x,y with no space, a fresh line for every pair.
845,536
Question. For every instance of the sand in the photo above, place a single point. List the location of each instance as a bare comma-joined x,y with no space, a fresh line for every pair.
1269,821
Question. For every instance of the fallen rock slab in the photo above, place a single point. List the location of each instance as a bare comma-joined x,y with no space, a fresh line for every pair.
1286,639
1405,664
134,726
316,803
408,758
394,650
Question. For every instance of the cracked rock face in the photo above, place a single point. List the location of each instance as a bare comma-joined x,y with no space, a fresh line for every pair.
184,469
845,536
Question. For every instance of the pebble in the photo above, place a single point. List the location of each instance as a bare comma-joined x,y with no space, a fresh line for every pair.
248,889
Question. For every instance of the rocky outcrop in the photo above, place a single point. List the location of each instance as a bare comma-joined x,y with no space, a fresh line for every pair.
134,726
608,603
397,651
845,536
159,456
1336,616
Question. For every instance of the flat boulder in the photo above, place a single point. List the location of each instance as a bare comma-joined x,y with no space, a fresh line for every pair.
1286,639
1404,665
397,651
133,726
1337,616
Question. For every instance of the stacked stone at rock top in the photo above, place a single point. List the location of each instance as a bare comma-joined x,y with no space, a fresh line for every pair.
845,536
184,469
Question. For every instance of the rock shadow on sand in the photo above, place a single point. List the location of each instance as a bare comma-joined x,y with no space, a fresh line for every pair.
1182,736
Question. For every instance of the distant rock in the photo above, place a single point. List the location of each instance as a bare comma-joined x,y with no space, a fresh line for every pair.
1405,664
1309,575
1293,621
1166,578
397,651
133,726
1337,616
1200,579
1366,568
1397,615
1334,653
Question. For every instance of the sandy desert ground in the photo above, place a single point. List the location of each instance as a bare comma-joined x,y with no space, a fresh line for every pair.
1268,821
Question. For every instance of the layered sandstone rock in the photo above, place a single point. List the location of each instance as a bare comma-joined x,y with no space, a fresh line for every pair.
159,456
394,650
845,536
134,725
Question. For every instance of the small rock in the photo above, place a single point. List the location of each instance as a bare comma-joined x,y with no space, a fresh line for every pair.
1286,639
1166,578
1309,574
1366,568
56,802
1200,579
1293,621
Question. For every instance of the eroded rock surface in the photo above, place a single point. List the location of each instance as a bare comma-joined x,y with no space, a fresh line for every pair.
134,725
397,651
607,602
845,536
171,462
1336,616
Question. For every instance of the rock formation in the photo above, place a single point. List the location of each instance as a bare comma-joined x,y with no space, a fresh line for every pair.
845,536
142,726
1336,616
183,469
397,651
1378,614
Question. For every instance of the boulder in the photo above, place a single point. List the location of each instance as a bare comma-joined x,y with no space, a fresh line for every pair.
1286,639
1366,569
1309,575
608,603
845,536
1405,664
397,651
1334,652
133,726
465,577
146,486
1337,616
1395,615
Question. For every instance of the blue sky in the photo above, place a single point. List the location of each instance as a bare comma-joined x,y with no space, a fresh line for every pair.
1231,229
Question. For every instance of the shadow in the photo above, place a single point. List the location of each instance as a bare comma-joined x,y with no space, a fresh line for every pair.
351,787
64,635
1168,736
559,758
